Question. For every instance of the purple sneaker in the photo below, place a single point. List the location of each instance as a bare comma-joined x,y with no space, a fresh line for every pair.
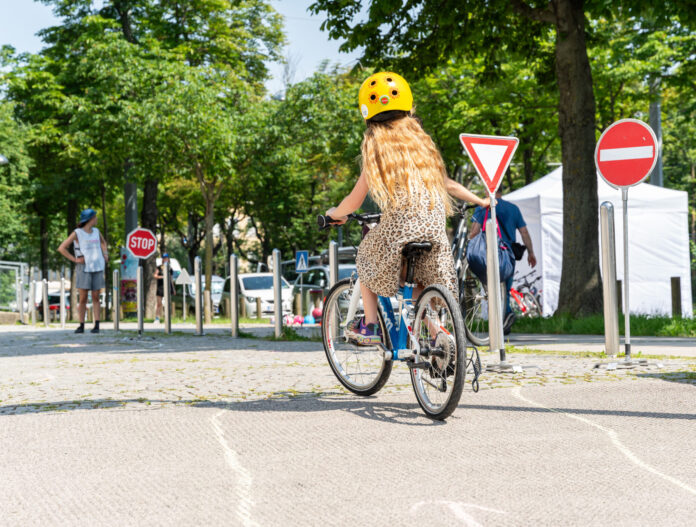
361,334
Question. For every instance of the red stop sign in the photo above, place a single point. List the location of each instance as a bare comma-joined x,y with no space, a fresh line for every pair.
141,242
626,153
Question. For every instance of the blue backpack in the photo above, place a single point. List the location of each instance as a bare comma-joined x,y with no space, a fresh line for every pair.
476,255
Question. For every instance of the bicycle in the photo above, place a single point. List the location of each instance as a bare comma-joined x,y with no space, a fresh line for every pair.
437,365
473,295
526,301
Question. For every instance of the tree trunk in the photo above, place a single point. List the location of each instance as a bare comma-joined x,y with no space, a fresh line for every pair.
580,291
148,220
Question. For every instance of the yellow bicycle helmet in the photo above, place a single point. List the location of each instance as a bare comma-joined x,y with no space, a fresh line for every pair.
383,92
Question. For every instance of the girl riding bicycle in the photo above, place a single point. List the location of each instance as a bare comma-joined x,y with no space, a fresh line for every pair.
404,173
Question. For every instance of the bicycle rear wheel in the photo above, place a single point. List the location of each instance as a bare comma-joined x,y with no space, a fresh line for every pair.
473,301
533,305
362,370
438,377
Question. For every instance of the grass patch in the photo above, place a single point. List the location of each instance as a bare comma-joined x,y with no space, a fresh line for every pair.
219,321
291,335
641,326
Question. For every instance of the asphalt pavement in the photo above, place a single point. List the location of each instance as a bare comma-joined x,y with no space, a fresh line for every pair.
116,429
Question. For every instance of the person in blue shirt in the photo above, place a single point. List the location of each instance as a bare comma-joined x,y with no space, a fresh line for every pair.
510,220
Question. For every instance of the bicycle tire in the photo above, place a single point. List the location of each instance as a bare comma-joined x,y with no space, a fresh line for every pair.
453,364
329,347
471,295
533,304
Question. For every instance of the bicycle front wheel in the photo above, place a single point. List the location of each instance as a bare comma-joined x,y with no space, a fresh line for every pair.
438,376
362,370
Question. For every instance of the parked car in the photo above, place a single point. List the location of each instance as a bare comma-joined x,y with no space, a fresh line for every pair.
54,302
217,283
316,281
254,285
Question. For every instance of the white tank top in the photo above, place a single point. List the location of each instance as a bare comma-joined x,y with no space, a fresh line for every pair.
88,245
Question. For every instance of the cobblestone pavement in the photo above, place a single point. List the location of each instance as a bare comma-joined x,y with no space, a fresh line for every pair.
113,429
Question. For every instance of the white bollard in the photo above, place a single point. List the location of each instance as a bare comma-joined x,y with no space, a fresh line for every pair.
611,313
62,302
167,300
116,299
333,263
44,302
198,296
234,296
277,294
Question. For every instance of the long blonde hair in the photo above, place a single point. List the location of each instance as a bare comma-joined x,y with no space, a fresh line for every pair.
399,155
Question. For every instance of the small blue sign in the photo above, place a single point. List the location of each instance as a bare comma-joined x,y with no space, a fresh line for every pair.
301,261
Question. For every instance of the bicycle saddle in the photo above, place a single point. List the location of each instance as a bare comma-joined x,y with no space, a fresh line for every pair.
416,249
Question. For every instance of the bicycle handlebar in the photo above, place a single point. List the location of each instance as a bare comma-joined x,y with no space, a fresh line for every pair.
324,222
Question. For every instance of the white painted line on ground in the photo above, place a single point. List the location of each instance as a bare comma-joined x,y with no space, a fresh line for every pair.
244,501
457,508
614,439
622,154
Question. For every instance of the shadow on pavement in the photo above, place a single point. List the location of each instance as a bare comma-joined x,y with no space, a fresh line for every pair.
307,402
22,343
681,377
303,402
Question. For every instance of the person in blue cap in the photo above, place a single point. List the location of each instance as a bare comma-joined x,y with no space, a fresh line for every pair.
90,256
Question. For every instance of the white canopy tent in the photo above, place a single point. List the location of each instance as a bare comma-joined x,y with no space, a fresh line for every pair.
658,237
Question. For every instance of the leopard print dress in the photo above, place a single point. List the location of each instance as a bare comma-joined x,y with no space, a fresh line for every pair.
379,258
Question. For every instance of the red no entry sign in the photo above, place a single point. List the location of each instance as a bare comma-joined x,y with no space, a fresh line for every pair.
626,153
141,242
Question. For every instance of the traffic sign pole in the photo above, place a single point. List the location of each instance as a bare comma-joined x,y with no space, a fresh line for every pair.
627,309
491,157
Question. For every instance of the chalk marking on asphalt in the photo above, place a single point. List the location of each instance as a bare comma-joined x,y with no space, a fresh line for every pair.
457,508
614,439
244,502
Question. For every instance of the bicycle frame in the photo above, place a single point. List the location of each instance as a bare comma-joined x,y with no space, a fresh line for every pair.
517,296
398,336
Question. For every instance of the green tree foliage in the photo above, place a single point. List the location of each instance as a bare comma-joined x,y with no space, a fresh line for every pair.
14,186
418,36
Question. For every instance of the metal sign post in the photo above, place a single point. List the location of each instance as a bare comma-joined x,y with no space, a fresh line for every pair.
116,303
495,315
167,299
62,301
198,294
301,266
234,296
140,299
627,309
183,280
277,294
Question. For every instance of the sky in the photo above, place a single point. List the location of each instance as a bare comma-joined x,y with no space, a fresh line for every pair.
307,45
